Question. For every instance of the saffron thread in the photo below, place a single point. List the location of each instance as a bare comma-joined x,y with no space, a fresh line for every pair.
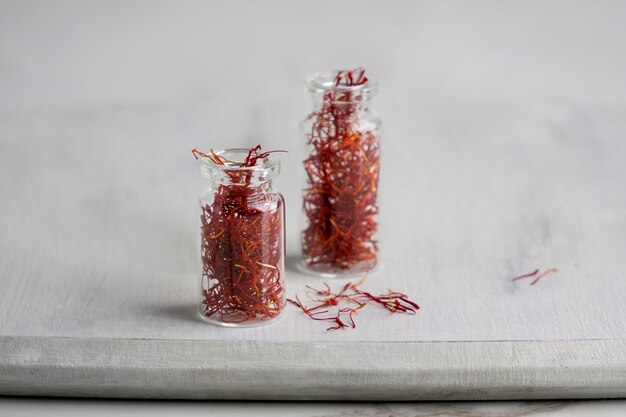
342,181
241,246
347,302
535,272
551,270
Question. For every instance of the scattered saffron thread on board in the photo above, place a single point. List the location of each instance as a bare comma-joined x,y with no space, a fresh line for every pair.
340,308
535,272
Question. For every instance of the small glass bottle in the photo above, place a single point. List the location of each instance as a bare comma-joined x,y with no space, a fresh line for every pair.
342,168
242,241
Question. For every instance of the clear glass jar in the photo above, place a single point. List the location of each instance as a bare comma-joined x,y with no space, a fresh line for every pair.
242,242
342,169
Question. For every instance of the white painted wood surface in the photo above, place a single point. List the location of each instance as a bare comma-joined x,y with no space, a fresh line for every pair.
97,258
355,371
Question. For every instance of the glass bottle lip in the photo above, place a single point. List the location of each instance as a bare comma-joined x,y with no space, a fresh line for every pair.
265,169
324,81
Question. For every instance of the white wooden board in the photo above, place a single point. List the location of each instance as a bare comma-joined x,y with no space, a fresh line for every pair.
98,238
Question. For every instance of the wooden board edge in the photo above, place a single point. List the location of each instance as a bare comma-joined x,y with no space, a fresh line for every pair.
255,370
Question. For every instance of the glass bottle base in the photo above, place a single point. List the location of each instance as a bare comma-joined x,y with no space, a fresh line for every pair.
324,271
244,324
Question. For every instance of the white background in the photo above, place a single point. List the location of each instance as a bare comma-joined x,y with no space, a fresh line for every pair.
254,53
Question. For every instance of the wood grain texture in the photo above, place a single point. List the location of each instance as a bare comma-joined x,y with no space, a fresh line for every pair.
98,238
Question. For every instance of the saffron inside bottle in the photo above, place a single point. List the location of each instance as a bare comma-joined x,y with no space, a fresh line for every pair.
342,171
241,239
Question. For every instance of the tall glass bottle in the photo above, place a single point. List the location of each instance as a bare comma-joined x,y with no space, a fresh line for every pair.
342,168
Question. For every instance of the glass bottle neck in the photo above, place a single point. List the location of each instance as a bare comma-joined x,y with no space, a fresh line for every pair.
231,173
353,106
252,186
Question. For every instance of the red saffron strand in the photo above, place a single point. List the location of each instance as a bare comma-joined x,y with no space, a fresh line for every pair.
535,272
350,294
196,153
241,247
546,272
342,181
526,275
251,159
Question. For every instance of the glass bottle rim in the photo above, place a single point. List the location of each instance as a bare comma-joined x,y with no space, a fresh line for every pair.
237,155
324,81
265,169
